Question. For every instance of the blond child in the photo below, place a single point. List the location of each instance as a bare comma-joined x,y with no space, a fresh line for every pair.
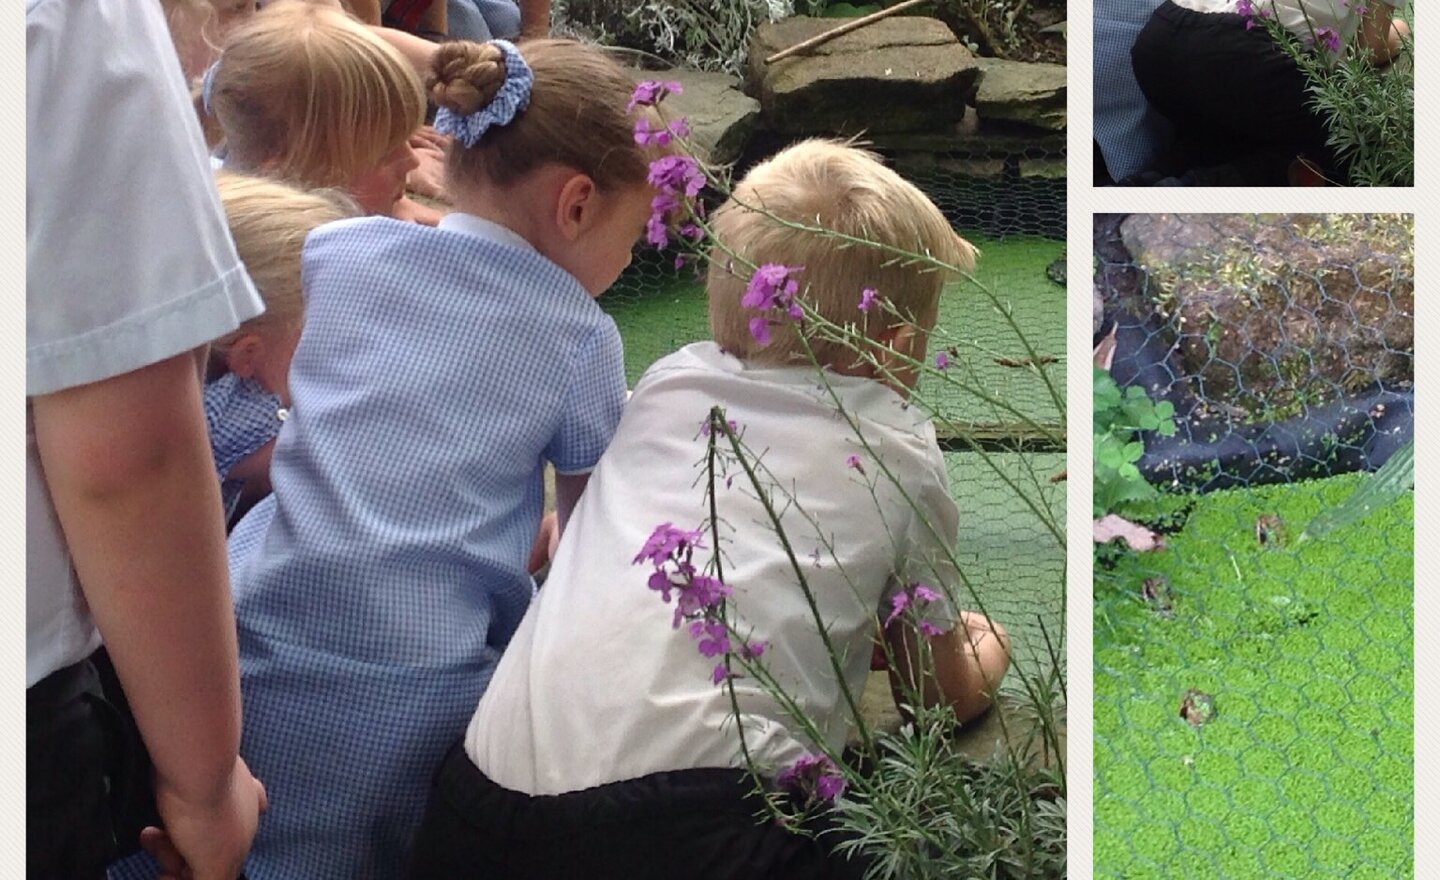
439,370
307,94
603,746
248,391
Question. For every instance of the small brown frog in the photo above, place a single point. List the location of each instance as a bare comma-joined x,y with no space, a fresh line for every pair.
1270,530
1197,707
1156,593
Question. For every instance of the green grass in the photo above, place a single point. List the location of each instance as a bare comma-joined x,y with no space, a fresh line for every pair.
1306,771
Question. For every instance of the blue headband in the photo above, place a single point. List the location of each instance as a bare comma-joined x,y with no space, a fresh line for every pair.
513,96
207,87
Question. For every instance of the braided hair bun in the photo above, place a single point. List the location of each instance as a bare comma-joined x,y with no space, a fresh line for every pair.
465,76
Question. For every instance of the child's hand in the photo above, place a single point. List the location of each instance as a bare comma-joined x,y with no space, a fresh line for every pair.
408,209
428,178
210,841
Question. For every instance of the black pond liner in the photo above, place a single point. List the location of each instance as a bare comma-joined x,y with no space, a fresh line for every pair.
1208,451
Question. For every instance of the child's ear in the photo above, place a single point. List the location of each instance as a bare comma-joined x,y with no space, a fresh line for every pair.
577,207
898,346
245,354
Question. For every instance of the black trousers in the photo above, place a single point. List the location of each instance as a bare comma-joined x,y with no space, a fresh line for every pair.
87,786
1234,96
700,824
69,742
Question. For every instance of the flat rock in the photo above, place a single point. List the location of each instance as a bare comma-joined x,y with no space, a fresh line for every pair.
1274,312
720,115
898,74
1016,91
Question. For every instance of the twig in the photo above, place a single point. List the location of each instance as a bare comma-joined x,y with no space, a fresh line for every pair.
847,27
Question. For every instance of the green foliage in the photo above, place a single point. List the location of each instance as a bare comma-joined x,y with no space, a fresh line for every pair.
1369,111
1306,770
1119,416
1003,820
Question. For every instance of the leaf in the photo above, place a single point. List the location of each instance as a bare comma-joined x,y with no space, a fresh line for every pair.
1393,479
1110,527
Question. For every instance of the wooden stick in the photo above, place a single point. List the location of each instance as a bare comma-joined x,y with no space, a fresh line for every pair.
847,27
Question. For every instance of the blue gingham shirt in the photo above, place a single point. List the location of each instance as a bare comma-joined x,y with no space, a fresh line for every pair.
241,417
1131,135
377,586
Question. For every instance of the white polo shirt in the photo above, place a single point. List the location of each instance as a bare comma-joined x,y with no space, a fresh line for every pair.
596,686
1293,14
128,258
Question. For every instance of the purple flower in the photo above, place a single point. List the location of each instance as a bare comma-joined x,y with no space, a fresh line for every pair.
729,423
770,283
645,134
1329,38
677,174
760,329
853,461
814,777
927,628
719,673
942,360
649,93
753,649
713,640
1244,7
898,603
666,542
692,231
924,593
699,595
867,299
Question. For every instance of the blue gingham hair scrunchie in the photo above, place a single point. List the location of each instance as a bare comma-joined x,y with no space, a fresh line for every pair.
513,96
207,87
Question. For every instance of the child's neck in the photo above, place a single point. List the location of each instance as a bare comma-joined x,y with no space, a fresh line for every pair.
524,207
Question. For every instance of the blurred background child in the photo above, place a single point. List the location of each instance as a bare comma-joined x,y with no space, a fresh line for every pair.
307,94
439,370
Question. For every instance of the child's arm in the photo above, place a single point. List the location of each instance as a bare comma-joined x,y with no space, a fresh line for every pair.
129,469
417,50
1380,33
534,18
966,665
567,495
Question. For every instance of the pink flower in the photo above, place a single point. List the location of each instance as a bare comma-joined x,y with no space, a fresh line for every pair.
650,92
667,542
760,329
867,299
770,284
813,777
1329,38
942,360
853,461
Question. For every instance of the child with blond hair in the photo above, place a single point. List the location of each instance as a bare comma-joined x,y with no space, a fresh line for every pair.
248,391
305,93
440,369
606,744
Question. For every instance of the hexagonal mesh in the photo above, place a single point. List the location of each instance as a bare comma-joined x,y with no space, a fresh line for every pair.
998,405
1253,679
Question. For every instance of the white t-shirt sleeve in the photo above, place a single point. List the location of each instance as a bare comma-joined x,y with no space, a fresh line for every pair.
128,258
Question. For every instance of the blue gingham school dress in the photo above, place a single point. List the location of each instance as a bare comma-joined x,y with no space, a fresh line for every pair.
377,586
240,416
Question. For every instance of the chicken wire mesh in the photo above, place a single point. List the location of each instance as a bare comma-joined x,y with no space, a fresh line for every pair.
997,406
1253,676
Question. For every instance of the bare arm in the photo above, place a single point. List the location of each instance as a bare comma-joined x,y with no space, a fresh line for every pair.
368,11
968,663
567,495
1380,33
419,51
534,18
128,465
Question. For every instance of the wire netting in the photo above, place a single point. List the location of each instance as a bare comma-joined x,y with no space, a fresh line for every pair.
1253,678
998,406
